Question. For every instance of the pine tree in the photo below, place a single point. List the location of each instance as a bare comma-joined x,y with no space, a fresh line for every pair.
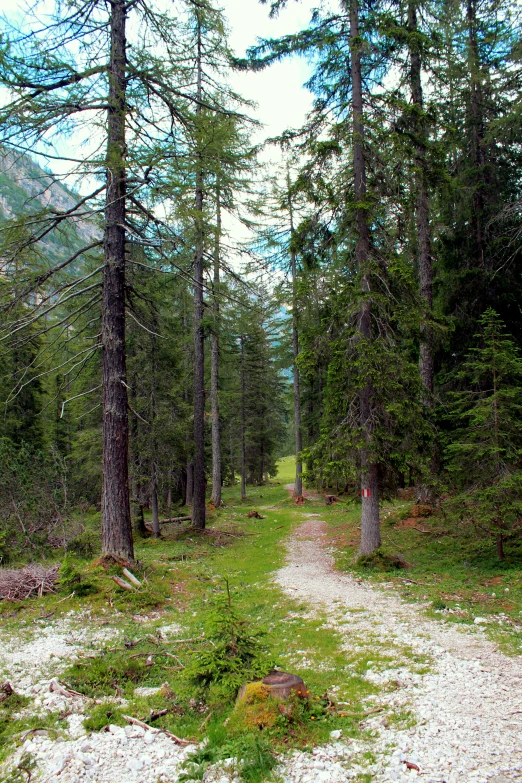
485,448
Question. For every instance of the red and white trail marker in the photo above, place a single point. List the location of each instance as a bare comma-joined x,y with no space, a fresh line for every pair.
365,493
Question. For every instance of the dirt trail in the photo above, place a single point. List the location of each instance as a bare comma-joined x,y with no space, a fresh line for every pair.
468,708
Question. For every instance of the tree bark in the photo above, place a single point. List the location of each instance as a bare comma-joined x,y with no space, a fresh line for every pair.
183,486
198,498
154,501
477,130
190,484
422,210
298,485
243,422
154,476
500,547
370,523
231,452
214,368
116,517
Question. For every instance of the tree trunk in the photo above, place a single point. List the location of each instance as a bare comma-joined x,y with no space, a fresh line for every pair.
198,498
370,523
214,369
231,452
422,211
500,547
154,477
190,483
183,486
169,494
261,463
477,130
139,521
298,485
243,423
116,518
154,501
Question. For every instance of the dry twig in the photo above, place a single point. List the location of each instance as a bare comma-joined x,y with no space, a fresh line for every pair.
146,726
18,584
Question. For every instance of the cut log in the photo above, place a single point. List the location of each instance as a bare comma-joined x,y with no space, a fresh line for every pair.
6,690
122,583
132,579
280,685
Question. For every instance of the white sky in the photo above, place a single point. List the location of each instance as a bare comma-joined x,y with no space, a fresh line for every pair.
278,90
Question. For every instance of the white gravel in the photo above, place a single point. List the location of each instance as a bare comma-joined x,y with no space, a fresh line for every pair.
121,755
468,707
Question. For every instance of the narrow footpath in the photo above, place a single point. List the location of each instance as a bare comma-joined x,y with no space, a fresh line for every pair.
468,707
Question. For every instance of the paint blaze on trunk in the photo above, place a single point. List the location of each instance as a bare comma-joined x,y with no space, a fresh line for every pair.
370,523
116,517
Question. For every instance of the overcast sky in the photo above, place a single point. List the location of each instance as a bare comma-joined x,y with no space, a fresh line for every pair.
278,90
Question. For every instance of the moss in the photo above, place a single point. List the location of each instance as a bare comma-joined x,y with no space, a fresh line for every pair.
255,708
380,561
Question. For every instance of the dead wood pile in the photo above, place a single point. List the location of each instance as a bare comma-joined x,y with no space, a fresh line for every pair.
17,584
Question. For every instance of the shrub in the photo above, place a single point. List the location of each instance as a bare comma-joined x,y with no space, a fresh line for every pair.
86,544
33,498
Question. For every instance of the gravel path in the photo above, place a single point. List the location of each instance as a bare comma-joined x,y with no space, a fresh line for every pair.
468,708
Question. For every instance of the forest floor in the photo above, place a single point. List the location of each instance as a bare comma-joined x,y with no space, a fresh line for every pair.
421,689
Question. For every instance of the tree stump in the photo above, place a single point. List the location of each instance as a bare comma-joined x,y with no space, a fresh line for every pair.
278,685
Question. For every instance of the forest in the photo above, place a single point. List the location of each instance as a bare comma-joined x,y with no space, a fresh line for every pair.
193,312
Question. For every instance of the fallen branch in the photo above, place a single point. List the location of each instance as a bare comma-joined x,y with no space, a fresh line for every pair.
170,655
155,715
189,641
174,519
206,720
167,733
346,714
64,690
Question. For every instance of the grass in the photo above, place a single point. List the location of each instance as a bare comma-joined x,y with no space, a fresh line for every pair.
17,721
